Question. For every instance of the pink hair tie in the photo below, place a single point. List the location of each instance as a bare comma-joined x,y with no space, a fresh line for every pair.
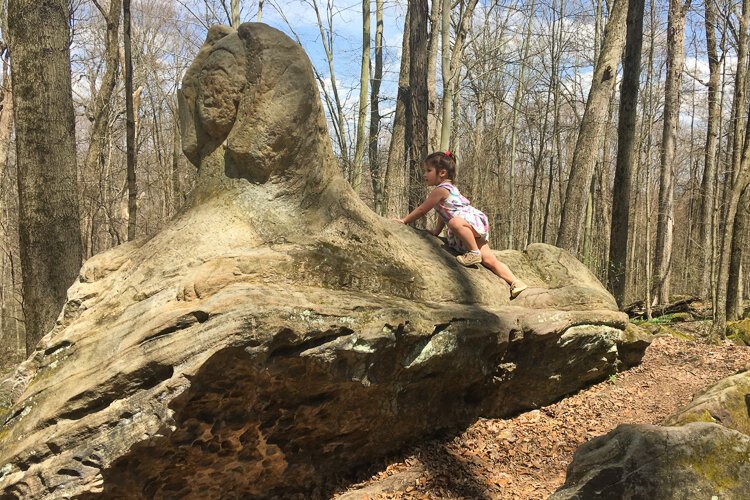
447,153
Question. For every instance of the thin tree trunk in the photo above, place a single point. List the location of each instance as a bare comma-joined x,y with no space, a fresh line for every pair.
520,87
364,80
131,159
555,51
734,287
235,13
376,175
6,116
537,168
665,218
445,66
584,155
433,111
450,74
260,10
734,195
740,84
101,105
626,154
49,225
338,115
417,136
396,167
712,139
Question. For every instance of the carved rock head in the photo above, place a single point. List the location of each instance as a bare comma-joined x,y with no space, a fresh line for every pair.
250,97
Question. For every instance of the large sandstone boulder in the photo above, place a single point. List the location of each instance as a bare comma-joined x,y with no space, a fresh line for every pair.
703,451
277,332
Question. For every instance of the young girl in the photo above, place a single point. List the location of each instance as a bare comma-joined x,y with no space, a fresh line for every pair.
467,227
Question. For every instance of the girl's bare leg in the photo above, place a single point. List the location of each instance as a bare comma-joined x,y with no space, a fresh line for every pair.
490,262
465,232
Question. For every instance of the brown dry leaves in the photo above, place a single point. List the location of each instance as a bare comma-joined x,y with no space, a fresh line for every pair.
525,457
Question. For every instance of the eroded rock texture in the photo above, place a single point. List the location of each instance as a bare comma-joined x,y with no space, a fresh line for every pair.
703,451
697,460
277,332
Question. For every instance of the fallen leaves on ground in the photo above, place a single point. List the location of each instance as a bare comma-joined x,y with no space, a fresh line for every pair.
525,457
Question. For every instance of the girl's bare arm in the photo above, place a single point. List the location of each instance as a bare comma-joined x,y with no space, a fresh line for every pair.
436,196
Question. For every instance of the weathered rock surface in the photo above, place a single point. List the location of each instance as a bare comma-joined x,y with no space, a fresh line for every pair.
697,460
277,332
726,402
702,451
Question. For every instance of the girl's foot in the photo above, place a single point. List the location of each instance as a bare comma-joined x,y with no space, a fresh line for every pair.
516,288
470,258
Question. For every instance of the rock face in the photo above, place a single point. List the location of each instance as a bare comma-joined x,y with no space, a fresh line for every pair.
277,332
727,403
702,452
697,460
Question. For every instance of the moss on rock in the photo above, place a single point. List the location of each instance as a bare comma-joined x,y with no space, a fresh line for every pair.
739,331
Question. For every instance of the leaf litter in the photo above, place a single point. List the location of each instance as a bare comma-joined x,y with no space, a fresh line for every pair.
525,457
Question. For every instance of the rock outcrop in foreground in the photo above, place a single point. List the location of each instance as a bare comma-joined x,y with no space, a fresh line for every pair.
702,451
277,332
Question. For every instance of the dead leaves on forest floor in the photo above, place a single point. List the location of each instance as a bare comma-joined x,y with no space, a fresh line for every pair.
525,457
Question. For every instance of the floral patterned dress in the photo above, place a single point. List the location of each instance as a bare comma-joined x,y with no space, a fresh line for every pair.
456,205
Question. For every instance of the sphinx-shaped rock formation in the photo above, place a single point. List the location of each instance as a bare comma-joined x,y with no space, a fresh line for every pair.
277,332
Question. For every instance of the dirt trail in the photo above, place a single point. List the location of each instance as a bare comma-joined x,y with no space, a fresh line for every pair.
525,457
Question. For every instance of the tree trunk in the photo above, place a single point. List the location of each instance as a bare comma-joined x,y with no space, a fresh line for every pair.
520,87
734,192
733,198
626,154
416,136
336,108
537,169
376,175
236,13
396,167
100,109
130,148
709,161
555,56
433,111
584,155
665,218
734,286
364,80
450,74
49,224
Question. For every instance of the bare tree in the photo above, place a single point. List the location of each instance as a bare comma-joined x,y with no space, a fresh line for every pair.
665,218
582,167
39,37
712,139
450,64
416,135
626,154
132,186
397,164
235,14
364,80
375,172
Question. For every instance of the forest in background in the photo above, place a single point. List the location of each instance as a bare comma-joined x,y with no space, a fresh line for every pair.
530,95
